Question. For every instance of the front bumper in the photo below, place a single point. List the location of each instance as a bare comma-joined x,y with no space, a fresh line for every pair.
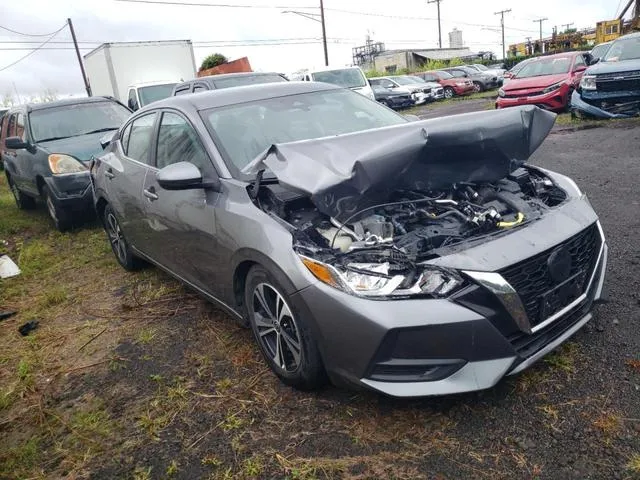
554,101
579,105
72,191
421,347
400,102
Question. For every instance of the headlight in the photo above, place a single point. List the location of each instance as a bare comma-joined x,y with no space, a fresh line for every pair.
588,82
553,87
501,93
373,279
59,163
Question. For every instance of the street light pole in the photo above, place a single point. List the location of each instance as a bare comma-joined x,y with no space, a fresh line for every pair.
324,35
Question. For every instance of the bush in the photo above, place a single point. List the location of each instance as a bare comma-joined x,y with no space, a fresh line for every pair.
373,73
213,61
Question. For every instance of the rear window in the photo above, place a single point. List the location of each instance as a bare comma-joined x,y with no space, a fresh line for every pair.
346,77
244,80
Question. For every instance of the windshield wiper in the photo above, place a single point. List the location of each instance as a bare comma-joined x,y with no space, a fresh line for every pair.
255,185
106,129
51,139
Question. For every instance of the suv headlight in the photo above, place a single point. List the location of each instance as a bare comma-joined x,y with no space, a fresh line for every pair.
554,87
501,92
373,279
59,163
588,82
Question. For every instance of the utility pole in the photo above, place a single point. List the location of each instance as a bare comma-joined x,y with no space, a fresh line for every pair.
501,13
540,20
324,35
75,43
566,26
439,30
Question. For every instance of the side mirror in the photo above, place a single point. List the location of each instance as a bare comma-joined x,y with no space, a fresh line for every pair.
132,104
106,140
16,143
181,176
594,60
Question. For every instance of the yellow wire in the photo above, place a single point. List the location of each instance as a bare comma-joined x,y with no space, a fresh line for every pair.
519,219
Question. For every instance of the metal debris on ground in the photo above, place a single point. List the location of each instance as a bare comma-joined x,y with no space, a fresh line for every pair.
8,314
28,327
7,267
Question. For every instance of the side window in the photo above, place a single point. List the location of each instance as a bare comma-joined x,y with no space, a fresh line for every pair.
458,73
11,127
124,138
429,78
20,126
579,62
133,100
199,88
139,144
182,91
178,142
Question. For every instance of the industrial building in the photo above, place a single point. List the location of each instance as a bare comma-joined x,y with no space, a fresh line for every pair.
391,61
455,38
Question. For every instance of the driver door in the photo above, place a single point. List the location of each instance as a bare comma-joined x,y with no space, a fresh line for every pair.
180,224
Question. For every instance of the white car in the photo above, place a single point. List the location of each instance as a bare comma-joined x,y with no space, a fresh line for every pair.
420,91
498,72
345,77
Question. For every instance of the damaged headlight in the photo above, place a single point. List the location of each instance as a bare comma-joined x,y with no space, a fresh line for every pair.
588,82
554,87
60,164
374,280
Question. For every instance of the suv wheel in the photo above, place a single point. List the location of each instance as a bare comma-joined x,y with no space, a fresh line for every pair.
284,337
60,216
119,243
23,202
449,92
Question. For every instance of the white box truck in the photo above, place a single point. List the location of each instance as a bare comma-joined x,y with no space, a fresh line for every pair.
138,73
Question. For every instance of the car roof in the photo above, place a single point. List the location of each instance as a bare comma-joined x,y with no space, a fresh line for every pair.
630,35
244,94
62,103
329,69
234,75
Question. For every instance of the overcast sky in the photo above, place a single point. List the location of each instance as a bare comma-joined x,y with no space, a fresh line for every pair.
399,24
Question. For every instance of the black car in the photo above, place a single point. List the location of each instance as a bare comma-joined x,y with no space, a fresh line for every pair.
226,80
481,81
46,148
391,99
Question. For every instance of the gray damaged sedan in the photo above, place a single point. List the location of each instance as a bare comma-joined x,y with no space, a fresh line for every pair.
412,258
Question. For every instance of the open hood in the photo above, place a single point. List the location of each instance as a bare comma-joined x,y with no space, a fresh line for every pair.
347,173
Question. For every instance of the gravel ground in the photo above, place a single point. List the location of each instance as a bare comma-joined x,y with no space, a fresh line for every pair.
455,107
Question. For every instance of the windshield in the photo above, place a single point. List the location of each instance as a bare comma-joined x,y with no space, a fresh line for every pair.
245,130
154,93
600,50
243,80
545,66
444,75
406,80
75,120
625,49
346,77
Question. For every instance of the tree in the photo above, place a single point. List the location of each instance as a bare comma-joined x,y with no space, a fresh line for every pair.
213,61
8,101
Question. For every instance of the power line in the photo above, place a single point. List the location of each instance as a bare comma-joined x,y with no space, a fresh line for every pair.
220,5
29,34
35,49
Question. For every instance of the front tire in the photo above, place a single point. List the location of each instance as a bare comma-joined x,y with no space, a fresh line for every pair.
477,87
118,242
61,217
23,201
284,337
449,92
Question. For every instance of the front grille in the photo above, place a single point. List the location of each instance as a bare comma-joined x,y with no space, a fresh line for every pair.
426,90
627,83
533,282
524,94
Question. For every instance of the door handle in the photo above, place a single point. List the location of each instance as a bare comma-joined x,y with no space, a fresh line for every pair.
149,193
109,174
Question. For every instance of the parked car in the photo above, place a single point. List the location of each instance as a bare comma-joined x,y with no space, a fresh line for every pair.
391,99
451,86
481,81
599,51
214,82
2,112
352,78
142,94
611,87
420,91
46,147
546,82
407,263
498,72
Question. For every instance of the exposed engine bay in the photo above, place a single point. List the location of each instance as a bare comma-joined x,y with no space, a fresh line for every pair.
413,226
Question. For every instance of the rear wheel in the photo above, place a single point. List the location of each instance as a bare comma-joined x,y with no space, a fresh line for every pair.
449,92
60,216
119,243
23,202
284,337
477,87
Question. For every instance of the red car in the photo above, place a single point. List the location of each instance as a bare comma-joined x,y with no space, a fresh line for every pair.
545,81
451,85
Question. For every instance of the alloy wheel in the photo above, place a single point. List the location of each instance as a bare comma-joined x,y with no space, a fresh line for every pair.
448,93
276,327
52,209
116,238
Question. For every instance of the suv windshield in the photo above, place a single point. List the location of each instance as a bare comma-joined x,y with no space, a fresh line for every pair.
346,77
153,93
242,80
444,75
624,49
545,66
74,120
244,131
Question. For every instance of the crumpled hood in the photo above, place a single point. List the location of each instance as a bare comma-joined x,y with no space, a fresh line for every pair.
346,173
614,67
82,147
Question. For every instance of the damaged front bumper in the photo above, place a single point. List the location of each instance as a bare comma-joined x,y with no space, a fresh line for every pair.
422,346
72,191
625,104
